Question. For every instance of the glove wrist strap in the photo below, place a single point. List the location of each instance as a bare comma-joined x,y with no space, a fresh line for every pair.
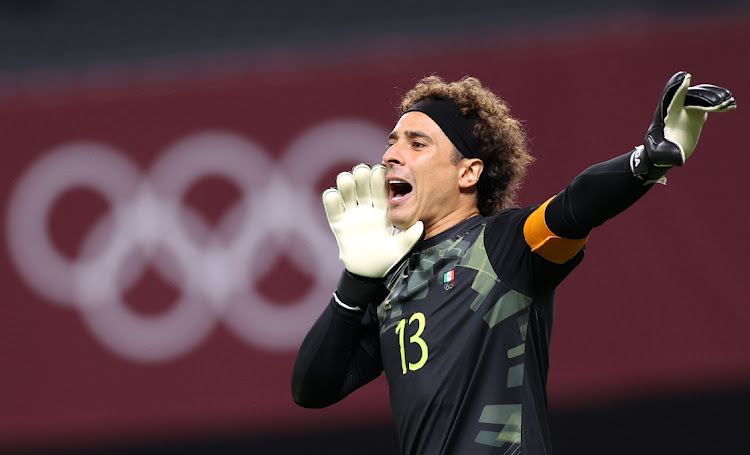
645,170
358,291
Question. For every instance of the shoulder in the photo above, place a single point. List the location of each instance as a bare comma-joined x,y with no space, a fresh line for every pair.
513,259
503,236
511,217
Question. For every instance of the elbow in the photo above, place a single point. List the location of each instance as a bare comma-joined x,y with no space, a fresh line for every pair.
299,398
302,399
305,403
297,395
311,400
308,402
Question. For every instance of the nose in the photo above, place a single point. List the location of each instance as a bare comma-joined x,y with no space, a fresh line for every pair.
392,156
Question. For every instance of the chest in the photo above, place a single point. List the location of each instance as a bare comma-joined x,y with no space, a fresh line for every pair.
446,309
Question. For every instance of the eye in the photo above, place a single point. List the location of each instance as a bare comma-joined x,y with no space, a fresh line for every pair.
417,144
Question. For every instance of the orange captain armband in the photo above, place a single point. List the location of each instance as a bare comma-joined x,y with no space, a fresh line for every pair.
545,243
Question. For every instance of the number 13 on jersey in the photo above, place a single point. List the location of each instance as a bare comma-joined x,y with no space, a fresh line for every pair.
400,327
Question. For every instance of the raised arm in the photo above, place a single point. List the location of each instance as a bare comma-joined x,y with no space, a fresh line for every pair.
559,228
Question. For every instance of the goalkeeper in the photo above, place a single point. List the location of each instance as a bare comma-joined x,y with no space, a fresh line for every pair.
456,304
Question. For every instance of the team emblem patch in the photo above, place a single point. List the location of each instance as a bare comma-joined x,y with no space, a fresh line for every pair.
449,279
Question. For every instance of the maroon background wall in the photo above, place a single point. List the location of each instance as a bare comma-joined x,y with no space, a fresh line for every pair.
204,344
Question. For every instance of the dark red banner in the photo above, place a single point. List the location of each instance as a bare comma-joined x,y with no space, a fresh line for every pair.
165,251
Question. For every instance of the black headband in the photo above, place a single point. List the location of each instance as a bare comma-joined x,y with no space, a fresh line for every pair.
459,129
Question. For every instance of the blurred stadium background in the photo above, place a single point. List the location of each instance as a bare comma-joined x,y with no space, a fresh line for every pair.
164,253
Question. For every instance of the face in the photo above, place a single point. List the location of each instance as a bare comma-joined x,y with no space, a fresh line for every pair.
424,184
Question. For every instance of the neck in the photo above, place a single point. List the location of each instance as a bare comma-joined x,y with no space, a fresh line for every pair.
450,220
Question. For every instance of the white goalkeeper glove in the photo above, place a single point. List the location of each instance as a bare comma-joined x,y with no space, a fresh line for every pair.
677,124
357,214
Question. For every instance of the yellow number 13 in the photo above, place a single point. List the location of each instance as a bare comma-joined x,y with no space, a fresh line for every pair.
419,317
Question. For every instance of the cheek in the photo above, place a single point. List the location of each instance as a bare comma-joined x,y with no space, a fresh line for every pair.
434,180
434,190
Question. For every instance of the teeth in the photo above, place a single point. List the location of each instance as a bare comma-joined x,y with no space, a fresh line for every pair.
396,181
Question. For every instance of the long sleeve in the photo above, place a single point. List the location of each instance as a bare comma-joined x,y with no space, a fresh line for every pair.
341,351
596,195
559,228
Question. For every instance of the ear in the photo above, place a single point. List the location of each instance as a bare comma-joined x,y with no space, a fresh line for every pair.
469,170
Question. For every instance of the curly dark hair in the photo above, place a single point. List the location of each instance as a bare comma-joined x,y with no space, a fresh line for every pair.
501,137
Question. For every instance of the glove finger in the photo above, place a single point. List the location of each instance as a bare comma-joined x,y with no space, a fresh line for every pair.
677,102
347,188
361,173
661,151
333,205
408,238
726,106
667,95
379,188
709,98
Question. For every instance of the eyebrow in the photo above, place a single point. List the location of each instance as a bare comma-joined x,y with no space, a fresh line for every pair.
411,135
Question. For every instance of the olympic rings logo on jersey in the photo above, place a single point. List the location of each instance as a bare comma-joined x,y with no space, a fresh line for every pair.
213,268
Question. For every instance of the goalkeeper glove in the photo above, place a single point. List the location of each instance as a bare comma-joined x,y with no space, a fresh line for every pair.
678,120
357,214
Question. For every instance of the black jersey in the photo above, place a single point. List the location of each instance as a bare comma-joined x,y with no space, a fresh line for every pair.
463,329
464,340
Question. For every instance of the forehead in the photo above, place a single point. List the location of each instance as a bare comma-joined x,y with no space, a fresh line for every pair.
418,122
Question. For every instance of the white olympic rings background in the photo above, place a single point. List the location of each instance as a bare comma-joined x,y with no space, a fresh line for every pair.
279,210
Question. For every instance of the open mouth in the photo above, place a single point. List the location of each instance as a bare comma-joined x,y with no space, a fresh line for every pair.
399,189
